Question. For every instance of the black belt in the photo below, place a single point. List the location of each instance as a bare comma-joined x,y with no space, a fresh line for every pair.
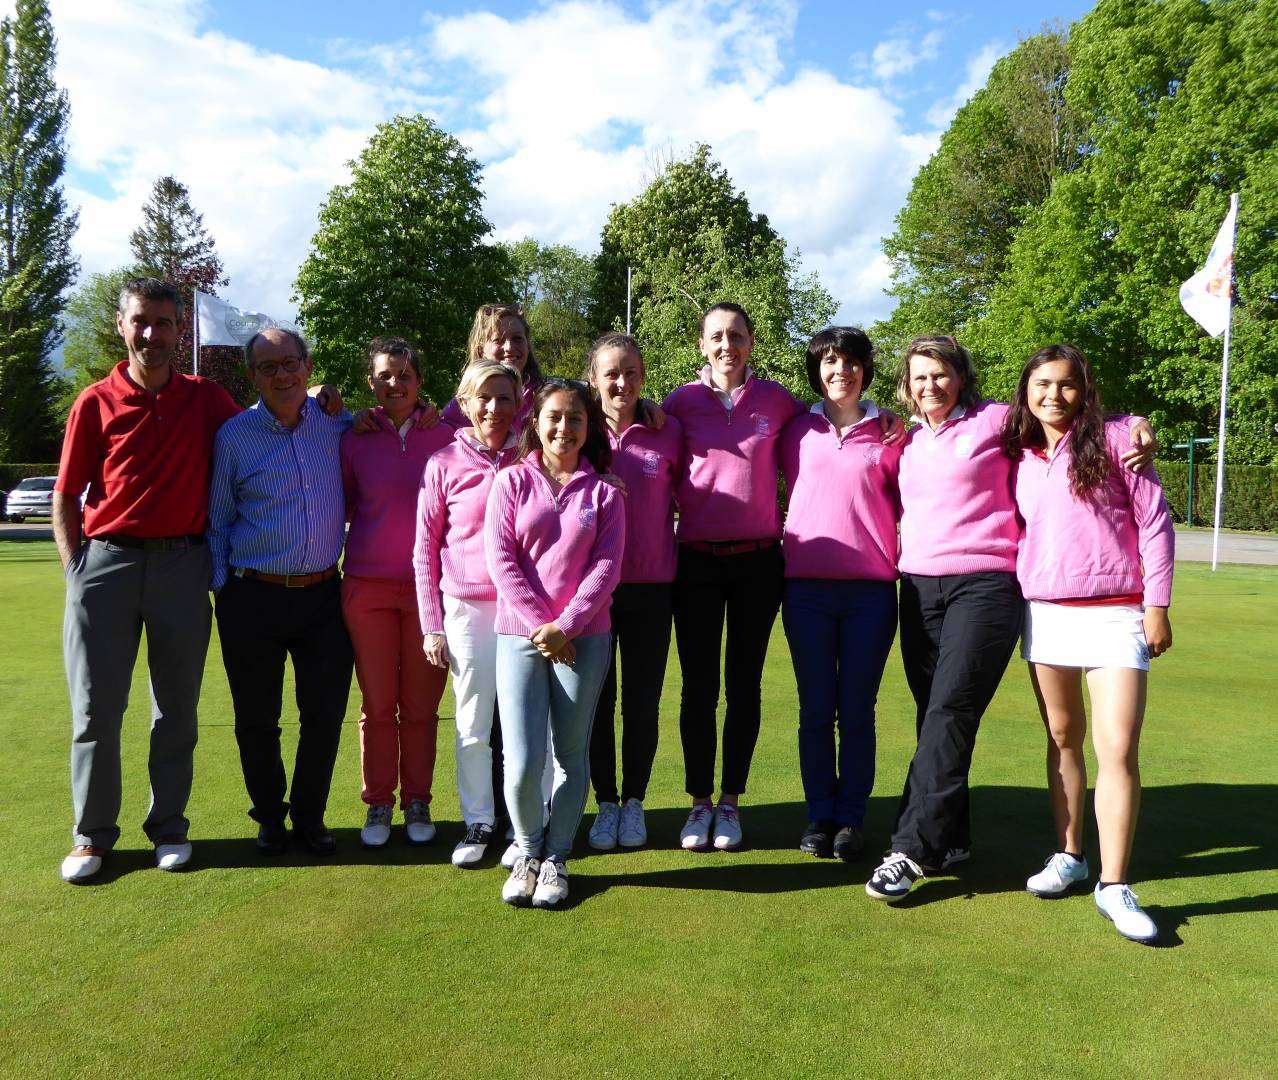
151,543
729,547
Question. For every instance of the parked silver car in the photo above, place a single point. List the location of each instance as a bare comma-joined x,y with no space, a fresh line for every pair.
32,497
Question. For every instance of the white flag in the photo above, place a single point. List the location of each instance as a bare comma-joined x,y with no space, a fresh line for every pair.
1206,296
222,324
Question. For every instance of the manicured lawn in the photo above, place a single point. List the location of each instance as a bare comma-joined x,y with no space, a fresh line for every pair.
763,962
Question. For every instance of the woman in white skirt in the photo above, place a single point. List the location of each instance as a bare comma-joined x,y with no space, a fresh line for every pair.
1095,566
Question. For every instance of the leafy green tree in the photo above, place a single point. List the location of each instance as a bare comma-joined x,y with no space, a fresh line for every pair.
36,227
93,345
400,250
692,240
556,286
995,163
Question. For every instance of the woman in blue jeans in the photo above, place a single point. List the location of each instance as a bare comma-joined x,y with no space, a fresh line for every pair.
554,533
839,604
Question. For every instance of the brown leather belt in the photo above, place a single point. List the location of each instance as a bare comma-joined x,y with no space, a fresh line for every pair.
289,581
729,547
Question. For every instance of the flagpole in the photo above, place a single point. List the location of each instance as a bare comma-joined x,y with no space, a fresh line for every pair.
1224,399
195,332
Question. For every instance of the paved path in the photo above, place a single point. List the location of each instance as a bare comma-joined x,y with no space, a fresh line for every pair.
1192,545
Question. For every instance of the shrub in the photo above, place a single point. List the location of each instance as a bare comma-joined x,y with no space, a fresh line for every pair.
1251,493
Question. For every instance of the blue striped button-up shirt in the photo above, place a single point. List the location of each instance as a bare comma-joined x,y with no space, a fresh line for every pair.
275,501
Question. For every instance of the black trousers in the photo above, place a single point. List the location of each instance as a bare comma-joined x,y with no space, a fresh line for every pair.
261,626
641,633
745,591
957,636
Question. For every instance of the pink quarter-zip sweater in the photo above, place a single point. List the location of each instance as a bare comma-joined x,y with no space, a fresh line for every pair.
454,417
448,553
841,521
381,472
1116,542
554,557
648,463
958,509
728,490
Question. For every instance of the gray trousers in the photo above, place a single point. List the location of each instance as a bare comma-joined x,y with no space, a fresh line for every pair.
112,593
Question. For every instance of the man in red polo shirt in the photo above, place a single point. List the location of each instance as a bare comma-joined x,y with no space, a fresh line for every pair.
141,441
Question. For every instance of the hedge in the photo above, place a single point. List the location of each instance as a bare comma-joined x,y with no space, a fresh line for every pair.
1251,493
11,472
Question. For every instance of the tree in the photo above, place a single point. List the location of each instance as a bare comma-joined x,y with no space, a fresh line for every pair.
400,250
995,164
36,227
556,286
692,240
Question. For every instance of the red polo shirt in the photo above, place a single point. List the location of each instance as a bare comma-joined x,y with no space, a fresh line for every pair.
145,457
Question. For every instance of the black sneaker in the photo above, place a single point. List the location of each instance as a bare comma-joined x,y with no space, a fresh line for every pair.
955,855
472,846
848,843
894,878
818,839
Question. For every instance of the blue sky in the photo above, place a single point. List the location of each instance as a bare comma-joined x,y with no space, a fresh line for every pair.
822,112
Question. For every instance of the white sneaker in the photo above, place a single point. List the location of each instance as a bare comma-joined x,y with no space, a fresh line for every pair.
727,827
632,832
82,864
470,849
1118,904
696,830
172,856
509,856
1060,873
519,886
552,884
377,826
418,827
894,878
603,833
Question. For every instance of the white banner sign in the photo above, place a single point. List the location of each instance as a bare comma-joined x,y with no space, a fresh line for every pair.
1206,296
222,324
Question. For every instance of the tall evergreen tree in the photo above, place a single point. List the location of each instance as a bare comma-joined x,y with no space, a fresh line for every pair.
36,226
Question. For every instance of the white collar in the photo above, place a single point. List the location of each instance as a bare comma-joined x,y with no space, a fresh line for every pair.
871,412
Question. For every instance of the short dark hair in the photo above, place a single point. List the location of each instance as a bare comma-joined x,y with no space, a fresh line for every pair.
851,343
725,305
149,288
398,347
297,339
596,449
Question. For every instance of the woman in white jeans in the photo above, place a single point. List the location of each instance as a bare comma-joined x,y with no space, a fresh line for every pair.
455,596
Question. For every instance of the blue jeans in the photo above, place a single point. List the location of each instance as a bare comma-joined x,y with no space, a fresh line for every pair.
531,691
840,634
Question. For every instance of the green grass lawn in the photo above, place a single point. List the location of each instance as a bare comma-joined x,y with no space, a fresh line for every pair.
762,962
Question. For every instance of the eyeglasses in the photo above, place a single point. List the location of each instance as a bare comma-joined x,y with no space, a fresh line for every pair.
291,364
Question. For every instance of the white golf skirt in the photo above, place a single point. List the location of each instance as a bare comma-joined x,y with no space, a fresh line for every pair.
1102,636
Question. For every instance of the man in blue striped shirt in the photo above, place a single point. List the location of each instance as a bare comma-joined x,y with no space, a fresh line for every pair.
276,526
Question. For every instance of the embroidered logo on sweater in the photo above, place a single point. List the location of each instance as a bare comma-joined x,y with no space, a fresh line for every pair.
651,464
586,517
962,445
872,453
762,424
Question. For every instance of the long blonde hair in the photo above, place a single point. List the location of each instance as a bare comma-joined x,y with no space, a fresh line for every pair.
487,319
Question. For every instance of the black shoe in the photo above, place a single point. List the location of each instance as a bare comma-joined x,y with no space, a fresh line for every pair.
272,839
315,838
848,843
818,839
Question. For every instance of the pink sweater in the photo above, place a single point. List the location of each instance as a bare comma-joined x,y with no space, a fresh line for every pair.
844,504
448,555
381,472
455,418
554,557
958,510
728,490
649,463
1116,542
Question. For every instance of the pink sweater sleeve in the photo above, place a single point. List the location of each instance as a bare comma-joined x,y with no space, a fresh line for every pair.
500,554
431,512
1157,539
453,415
597,586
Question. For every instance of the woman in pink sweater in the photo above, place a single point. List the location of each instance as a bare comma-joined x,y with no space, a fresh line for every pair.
381,472
960,604
839,608
648,461
456,598
554,534
1095,566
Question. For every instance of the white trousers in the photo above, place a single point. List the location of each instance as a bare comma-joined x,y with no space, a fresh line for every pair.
470,630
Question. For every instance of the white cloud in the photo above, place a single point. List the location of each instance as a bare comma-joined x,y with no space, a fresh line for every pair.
975,72
900,55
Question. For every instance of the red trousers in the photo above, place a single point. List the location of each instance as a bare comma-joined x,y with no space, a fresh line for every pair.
399,716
